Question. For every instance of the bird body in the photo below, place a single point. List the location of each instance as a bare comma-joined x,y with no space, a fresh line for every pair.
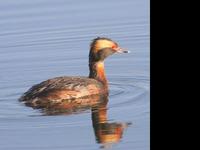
75,90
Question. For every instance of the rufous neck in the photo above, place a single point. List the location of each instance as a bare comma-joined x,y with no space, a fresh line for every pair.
97,72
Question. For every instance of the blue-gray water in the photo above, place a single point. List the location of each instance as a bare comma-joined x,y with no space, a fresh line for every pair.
42,39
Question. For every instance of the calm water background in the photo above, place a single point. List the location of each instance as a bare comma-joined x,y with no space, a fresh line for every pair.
42,39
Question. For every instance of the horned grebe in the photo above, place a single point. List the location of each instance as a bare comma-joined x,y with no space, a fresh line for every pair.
75,90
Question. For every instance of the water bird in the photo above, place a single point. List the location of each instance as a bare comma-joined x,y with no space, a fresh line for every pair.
69,91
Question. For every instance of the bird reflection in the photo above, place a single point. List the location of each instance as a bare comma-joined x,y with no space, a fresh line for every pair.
106,133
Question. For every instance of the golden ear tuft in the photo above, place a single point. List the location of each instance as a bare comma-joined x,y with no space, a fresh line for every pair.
101,42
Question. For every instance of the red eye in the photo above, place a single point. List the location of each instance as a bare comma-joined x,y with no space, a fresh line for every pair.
114,46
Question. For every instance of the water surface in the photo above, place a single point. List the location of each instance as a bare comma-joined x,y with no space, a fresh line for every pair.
42,39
